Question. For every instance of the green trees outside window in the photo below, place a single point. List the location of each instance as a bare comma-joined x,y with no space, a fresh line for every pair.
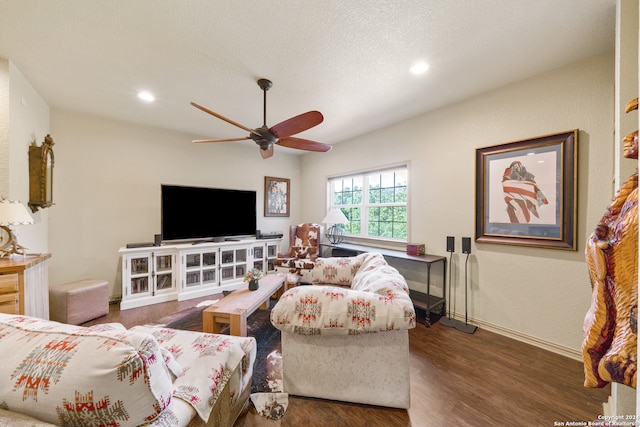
375,202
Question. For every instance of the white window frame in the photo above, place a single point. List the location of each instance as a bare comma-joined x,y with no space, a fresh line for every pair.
364,217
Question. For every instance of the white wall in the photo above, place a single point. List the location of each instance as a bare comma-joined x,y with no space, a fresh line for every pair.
107,188
24,119
535,294
4,127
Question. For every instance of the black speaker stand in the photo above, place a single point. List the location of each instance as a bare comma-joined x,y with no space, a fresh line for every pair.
448,320
466,327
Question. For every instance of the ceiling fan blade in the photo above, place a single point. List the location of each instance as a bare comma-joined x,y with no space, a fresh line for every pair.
221,140
213,113
304,144
297,124
267,153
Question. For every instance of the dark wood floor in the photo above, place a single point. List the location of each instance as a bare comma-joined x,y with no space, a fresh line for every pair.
457,379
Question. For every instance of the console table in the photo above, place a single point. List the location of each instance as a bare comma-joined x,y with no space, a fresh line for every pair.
420,299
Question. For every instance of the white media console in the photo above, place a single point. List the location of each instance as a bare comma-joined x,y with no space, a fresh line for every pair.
154,274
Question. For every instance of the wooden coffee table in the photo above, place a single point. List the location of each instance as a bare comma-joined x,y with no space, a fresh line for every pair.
239,304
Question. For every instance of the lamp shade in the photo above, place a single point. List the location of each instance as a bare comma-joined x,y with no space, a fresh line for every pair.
335,216
12,212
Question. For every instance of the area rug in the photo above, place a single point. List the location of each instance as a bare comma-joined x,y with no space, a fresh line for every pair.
267,370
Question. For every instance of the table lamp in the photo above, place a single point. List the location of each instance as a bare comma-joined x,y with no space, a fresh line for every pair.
12,212
336,218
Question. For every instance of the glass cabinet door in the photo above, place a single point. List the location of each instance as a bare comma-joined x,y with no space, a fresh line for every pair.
201,268
258,252
193,272
258,256
272,250
193,260
147,274
272,253
139,274
263,256
226,256
209,259
234,263
209,268
193,278
164,272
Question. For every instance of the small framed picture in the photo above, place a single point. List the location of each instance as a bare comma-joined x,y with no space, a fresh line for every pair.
526,192
276,196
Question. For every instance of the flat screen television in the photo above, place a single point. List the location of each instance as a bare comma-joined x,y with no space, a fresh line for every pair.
201,213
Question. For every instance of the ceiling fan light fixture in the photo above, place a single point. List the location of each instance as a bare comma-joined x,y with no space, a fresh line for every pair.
146,96
419,68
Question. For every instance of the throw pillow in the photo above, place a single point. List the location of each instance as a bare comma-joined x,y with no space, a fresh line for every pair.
336,270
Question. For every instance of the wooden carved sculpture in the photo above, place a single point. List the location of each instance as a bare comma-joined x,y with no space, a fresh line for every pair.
609,348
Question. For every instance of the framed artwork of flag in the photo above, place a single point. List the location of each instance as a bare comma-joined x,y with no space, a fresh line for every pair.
526,192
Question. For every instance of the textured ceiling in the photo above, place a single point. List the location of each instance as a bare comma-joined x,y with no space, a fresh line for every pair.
348,59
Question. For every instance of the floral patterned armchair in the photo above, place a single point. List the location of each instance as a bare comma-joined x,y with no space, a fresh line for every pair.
304,248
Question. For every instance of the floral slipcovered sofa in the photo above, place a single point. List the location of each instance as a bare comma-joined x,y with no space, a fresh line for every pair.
107,375
346,336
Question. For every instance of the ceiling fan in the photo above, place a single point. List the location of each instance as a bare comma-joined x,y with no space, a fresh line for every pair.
280,134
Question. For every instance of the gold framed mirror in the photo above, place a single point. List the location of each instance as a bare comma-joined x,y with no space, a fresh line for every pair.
41,162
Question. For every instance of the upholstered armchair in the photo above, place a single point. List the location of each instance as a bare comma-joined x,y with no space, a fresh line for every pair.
299,259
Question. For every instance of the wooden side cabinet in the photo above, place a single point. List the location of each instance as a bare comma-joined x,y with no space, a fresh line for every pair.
9,294
32,287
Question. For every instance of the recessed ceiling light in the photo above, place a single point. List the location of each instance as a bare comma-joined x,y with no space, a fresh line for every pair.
146,96
419,68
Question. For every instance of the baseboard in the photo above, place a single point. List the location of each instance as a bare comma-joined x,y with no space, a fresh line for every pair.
527,339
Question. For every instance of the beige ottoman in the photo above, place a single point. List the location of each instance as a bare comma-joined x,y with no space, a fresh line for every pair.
78,302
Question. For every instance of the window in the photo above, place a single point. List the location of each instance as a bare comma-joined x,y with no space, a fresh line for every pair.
374,202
